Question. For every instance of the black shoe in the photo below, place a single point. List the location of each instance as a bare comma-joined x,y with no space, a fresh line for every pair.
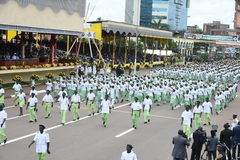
149,120
74,120
49,115
30,121
145,122
62,124
122,101
46,117
5,141
97,111
93,113
105,125
135,127
209,123
89,115
77,118
35,120
204,124
158,104
36,110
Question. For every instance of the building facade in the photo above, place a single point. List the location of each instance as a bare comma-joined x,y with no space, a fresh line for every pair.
190,29
172,12
216,28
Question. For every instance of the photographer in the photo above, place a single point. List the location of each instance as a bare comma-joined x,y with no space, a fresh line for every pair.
225,138
180,142
212,145
199,137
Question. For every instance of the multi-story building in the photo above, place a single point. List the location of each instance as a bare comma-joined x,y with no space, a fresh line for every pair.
215,28
190,29
237,17
172,12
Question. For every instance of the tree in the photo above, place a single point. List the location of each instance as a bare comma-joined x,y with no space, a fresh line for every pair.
172,46
159,25
99,19
198,31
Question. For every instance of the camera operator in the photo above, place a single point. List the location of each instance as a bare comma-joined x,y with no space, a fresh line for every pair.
236,141
212,145
226,138
180,142
199,137
221,153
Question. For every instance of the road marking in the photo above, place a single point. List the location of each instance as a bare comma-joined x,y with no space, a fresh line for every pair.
123,133
54,127
41,91
17,117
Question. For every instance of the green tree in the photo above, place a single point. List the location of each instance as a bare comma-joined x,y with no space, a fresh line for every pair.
157,24
172,46
198,31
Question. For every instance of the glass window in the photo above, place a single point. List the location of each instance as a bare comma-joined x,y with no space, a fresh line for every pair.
159,9
160,1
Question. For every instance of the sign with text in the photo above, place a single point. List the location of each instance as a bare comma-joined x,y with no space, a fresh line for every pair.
211,37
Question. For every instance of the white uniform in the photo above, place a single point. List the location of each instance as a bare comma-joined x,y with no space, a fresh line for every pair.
41,141
3,115
128,156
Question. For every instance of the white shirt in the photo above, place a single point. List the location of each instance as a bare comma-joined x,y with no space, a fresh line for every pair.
75,98
198,109
147,103
207,107
2,91
21,95
41,141
49,86
136,106
105,106
63,103
33,91
47,98
3,115
91,96
17,87
32,101
128,156
187,116
60,93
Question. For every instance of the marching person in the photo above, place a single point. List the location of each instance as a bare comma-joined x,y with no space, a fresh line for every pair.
32,101
197,111
2,95
147,104
186,121
75,103
49,85
226,138
128,154
3,118
90,102
21,99
105,110
33,90
17,87
42,143
136,111
48,100
207,111
64,105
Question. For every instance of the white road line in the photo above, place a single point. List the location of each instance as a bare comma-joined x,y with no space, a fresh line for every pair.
17,117
123,133
57,126
9,107
41,91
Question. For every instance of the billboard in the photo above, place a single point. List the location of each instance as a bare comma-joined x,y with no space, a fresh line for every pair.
211,37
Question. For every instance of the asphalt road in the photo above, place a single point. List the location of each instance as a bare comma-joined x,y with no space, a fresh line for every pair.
88,139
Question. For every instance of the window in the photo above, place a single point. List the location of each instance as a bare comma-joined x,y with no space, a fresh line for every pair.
159,9
160,1
159,17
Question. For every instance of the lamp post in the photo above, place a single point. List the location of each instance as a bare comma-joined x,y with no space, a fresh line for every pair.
135,61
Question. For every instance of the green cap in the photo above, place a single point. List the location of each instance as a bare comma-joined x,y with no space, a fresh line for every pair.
1,106
129,145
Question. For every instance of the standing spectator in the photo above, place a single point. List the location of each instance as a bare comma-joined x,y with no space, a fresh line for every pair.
136,111
235,121
48,100
236,141
2,95
212,145
198,140
207,111
105,110
186,122
90,102
32,101
42,143
128,154
226,138
64,104
3,118
180,142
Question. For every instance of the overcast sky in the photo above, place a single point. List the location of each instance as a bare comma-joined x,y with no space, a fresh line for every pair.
201,11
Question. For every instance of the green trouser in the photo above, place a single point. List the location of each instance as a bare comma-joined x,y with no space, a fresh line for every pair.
186,102
47,108
83,95
217,107
2,99
98,104
140,98
104,117
79,91
90,107
16,94
198,121
157,98
186,130
41,156
200,98
204,97
56,92
63,116
75,111
146,115
173,102
135,117
2,135
32,113
206,118
164,98
21,102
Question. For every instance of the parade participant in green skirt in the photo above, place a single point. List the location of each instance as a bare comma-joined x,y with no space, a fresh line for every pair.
197,111
136,112
48,100
17,87
2,95
75,103
21,98
32,102
90,102
105,110
147,104
64,106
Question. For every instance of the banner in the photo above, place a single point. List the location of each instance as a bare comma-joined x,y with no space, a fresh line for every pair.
211,37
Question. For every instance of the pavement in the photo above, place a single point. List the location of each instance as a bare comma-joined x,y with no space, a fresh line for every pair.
88,139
